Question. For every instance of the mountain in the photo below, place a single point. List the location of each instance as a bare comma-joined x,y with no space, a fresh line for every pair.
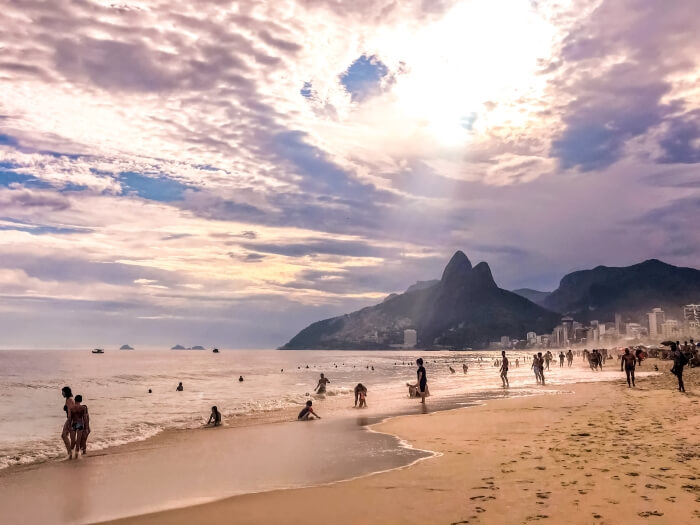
464,308
178,347
535,296
631,290
125,347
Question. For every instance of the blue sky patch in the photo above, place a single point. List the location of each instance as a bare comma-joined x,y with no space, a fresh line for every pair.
8,177
363,78
160,189
306,90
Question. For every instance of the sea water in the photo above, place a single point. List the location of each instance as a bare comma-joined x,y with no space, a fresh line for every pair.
115,385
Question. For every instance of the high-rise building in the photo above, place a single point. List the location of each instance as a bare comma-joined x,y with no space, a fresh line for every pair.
618,324
410,338
671,328
656,319
634,330
531,338
691,314
505,341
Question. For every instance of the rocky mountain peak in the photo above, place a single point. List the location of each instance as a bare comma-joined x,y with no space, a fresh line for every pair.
458,267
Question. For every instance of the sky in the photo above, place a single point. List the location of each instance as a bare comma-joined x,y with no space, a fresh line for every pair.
224,173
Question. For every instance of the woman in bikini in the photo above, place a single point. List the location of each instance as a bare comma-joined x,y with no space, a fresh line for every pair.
67,435
78,415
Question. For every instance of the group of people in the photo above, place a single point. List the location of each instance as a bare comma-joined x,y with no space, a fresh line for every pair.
77,425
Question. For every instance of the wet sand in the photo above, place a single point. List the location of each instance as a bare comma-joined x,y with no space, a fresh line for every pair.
601,454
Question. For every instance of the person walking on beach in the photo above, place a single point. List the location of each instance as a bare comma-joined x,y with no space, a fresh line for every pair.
82,444
628,361
465,368
422,383
569,357
504,370
547,358
307,413
561,359
67,435
359,388
321,386
679,361
180,388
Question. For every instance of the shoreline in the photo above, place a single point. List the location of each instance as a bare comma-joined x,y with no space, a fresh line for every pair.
331,498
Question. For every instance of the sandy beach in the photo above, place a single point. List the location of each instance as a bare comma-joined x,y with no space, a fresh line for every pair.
601,453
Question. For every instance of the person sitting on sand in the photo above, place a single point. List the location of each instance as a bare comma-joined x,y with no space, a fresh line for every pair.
215,417
67,434
307,413
180,388
359,388
628,361
82,444
321,386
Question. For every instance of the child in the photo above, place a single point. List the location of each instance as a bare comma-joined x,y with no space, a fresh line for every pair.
362,396
307,412
215,417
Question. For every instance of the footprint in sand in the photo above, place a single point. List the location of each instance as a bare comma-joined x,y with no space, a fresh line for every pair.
651,486
537,517
648,513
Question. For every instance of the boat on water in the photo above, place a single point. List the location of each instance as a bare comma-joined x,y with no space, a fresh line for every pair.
216,350
98,351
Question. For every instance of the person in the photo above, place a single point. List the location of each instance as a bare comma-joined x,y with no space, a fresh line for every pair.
547,358
307,413
504,370
240,379
150,391
179,388
561,359
517,363
67,434
422,383
569,357
679,361
465,368
363,399
321,386
83,441
359,388
540,364
452,370
77,423
215,417
629,362
535,368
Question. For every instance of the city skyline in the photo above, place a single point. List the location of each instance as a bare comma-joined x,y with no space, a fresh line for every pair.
224,174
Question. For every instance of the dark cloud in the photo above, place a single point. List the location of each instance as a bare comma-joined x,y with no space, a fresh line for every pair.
322,247
647,44
19,196
680,141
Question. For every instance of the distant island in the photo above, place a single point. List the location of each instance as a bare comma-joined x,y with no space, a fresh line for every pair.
125,347
180,347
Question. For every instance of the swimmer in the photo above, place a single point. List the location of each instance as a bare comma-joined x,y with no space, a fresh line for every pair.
180,388
240,379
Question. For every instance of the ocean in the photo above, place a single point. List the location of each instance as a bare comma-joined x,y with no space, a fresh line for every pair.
276,383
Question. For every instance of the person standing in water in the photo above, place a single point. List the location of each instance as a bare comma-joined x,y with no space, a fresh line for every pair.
561,359
321,386
535,368
504,370
628,362
422,383
540,364
569,357
77,423
83,442
67,435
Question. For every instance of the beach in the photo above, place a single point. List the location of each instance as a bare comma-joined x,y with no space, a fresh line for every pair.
601,453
